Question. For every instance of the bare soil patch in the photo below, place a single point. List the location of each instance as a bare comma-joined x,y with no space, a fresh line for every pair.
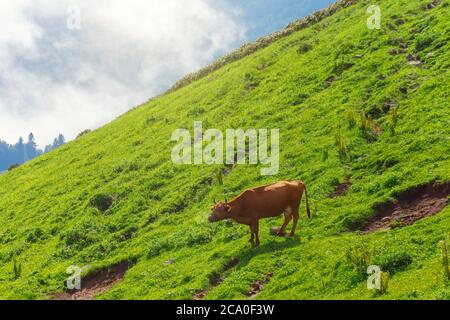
231,264
96,283
341,190
411,206
200,295
257,286
433,4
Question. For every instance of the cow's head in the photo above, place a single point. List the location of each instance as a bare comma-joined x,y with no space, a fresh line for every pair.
220,211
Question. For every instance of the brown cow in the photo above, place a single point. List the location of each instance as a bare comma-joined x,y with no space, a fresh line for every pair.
264,202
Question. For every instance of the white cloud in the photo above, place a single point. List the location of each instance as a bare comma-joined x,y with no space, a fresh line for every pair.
55,80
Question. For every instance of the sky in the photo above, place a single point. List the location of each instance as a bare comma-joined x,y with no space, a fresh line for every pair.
71,65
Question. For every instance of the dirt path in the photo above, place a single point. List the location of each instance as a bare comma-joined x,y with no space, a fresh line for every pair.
341,190
96,283
411,206
258,286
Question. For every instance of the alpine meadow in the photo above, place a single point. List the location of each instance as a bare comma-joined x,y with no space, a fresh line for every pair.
363,120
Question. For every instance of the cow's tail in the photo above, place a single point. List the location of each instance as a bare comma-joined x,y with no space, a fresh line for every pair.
308,211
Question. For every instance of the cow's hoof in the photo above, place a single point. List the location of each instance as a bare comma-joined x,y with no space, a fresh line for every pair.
277,232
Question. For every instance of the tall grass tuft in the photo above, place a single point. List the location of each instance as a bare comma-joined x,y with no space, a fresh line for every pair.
360,258
352,118
444,244
325,155
341,144
17,269
384,283
368,127
392,120
219,177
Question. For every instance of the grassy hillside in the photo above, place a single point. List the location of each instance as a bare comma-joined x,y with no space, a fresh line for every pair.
351,104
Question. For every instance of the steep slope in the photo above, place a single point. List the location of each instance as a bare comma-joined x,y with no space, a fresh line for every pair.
366,106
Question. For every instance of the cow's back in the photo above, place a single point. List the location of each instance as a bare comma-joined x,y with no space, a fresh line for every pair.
274,199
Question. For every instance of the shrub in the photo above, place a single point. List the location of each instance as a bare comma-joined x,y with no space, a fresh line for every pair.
299,99
102,201
33,235
13,166
340,66
423,42
360,258
251,82
82,133
152,217
304,47
81,236
391,181
156,248
393,262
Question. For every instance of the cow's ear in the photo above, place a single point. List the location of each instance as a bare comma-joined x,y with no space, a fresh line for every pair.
228,208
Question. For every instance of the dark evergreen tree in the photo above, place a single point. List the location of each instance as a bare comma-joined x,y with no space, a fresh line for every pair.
61,140
31,149
12,155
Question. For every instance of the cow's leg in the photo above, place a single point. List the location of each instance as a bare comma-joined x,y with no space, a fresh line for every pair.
252,239
255,227
287,220
294,226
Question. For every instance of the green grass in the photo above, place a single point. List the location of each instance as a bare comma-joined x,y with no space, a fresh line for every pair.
114,194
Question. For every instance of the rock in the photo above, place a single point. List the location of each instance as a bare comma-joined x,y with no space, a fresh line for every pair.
169,262
404,90
413,60
332,79
410,57
388,105
433,4
393,51
200,295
